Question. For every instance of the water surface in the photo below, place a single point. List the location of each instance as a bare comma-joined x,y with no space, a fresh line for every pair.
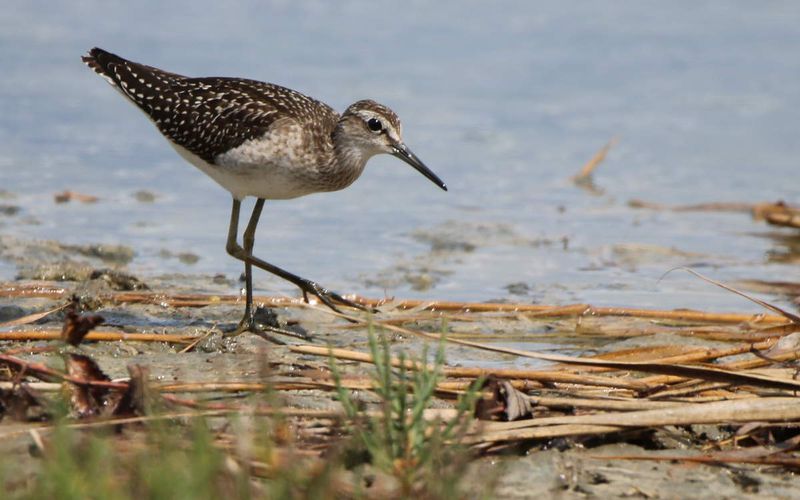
504,102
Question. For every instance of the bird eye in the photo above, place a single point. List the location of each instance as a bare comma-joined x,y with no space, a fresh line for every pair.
374,124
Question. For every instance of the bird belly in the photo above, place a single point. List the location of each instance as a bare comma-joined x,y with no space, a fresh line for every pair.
268,180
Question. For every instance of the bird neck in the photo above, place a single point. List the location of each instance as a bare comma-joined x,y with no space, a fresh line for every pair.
348,161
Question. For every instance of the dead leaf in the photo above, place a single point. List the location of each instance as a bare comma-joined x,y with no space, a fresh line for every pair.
778,214
505,402
134,400
67,196
22,404
597,159
77,326
784,345
86,401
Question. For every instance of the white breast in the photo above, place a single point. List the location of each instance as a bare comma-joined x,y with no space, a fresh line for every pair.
276,166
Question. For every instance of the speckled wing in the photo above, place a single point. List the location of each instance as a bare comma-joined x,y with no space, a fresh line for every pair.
207,116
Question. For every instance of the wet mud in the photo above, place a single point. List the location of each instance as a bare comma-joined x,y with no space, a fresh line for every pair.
563,468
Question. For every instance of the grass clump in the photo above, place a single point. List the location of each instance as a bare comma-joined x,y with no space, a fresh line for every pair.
425,456
168,460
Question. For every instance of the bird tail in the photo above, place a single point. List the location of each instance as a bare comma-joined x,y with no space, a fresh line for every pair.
105,64
122,73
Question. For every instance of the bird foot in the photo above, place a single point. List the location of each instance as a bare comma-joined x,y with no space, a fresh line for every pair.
258,321
262,323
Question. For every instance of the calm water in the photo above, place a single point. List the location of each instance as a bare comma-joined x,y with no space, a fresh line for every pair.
504,101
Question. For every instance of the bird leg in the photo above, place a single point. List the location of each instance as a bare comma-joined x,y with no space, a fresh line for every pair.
249,239
245,254
248,322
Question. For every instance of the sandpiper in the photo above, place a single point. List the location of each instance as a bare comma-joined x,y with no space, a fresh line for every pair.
263,140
